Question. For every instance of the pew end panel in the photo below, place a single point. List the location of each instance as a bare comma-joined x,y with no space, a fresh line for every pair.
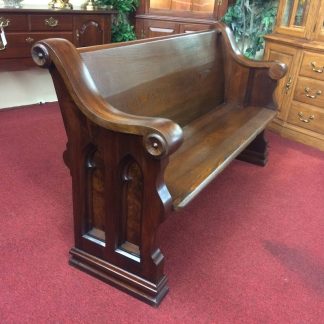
149,124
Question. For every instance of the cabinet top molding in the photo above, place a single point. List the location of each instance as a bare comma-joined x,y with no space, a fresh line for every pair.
45,9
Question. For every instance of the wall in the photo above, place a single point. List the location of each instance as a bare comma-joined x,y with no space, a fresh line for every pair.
31,86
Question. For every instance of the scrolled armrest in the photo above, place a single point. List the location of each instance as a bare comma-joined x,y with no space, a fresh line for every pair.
276,70
161,136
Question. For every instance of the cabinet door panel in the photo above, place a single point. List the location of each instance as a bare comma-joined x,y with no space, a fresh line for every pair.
284,92
90,30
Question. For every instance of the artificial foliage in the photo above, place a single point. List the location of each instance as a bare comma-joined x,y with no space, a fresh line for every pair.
250,20
122,30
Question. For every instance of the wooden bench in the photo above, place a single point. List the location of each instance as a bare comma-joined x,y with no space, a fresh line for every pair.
149,124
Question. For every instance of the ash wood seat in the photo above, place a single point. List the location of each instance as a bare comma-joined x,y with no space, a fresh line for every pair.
149,124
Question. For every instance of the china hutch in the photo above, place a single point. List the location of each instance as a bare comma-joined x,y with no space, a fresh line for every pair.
298,41
164,17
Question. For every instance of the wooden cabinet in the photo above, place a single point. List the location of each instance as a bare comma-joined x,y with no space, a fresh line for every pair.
164,17
298,41
25,26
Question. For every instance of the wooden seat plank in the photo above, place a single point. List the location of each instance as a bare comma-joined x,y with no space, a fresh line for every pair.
211,143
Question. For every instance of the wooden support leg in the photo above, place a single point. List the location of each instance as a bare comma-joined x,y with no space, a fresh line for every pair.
119,201
256,152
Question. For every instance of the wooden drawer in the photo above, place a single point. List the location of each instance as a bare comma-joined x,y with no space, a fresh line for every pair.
19,44
312,66
156,28
310,92
306,116
50,22
14,22
191,28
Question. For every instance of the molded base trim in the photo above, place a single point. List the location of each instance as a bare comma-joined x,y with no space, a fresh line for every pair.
132,284
298,134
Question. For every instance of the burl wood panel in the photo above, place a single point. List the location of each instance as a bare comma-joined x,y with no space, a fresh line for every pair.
132,198
95,191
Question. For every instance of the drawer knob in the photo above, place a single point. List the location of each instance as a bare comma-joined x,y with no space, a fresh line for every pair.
317,69
4,22
312,96
307,120
51,22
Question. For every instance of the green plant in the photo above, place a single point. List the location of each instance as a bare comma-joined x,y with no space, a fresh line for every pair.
250,20
122,30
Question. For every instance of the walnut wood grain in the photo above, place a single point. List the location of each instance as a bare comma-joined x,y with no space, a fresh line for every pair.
211,142
149,124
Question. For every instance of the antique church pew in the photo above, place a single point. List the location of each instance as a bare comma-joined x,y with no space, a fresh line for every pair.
149,124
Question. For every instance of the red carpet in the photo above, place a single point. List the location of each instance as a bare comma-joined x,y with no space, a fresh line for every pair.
250,249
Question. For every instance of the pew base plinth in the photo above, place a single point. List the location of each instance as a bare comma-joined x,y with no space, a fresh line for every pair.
133,285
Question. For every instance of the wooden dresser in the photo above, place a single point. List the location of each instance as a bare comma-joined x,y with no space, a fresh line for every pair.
25,26
298,41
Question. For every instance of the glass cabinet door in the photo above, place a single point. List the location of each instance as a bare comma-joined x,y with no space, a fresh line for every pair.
322,30
294,15
285,20
160,4
319,32
205,7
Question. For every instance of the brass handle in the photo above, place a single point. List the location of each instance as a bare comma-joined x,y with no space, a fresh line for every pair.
30,40
317,69
3,40
77,34
143,33
312,96
305,120
51,22
4,22
288,85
